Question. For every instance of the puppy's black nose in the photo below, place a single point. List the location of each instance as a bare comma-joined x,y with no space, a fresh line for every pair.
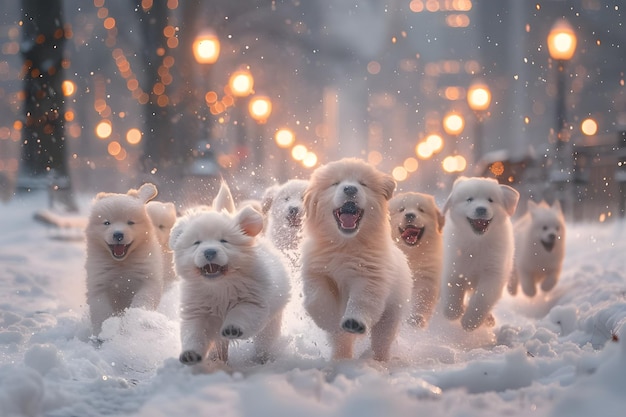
409,217
119,236
293,211
551,237
209,254
481,211
350,190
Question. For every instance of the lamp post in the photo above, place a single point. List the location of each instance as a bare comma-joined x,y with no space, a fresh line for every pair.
241,84
284,139
561,47
478,99
203,168
260,108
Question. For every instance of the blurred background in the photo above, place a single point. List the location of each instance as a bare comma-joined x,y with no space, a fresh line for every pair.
104,95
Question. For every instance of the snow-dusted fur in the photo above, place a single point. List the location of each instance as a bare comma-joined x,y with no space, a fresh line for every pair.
539,248
163,217
282,204
355,278
124,259
478,248
416,227
233,283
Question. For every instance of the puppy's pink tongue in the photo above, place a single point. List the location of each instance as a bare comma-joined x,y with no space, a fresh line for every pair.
411,236
119,250
348,220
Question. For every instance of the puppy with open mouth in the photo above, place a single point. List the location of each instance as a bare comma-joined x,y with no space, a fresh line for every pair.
124,259
233,282
416,227
355,279
478,248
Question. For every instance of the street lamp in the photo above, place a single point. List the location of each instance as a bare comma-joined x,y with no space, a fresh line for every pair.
260,108
206,48
240,84
561,46
478,99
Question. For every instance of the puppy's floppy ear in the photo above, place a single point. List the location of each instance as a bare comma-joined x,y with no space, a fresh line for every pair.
388,186
439,217
309,202
250,221
531,205
448,203
556,206
146,192
510,198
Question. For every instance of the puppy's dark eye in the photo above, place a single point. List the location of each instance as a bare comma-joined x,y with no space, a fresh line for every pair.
545,227
287,198
130,222
490,200
401,209
335,184
469,200
421,210
196,243
107,223
161,227
223,241
363,184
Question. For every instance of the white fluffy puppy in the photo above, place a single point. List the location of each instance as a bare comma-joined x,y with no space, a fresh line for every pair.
539,248
416,227
124,259
163,217
478,248
355,278
234,285
282,204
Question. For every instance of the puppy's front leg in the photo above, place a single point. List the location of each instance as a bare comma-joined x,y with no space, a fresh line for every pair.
149,295
365,306
195,336
550,281
100,309
244,320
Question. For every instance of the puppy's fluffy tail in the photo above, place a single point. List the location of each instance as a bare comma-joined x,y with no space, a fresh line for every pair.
224,199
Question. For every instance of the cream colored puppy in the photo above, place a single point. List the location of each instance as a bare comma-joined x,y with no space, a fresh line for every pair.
355,278
416,227
124,259
233,283
539,248
478,248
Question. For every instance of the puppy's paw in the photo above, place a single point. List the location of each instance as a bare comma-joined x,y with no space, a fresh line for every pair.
512,288
232,332
353,326
490,320
190,357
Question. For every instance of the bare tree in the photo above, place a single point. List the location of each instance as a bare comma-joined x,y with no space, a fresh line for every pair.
44,149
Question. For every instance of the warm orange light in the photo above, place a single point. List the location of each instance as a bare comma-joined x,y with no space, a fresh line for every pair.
260,108
562,41
299,152
68,87
399,173
241,83
454,163
309,160
104,129
410,164
453,123
133,136
478,97
284,138
589,127
206,48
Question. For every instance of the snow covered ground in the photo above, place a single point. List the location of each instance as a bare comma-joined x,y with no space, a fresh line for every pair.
559,355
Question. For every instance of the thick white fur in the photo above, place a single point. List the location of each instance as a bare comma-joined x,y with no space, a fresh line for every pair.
419,213
244,299
283,206
475,264
163,217
539,248
355,281
134,279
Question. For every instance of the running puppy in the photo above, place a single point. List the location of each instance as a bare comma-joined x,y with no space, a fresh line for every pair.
234,285
355,278
539,248
416,227
124,259
478,248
